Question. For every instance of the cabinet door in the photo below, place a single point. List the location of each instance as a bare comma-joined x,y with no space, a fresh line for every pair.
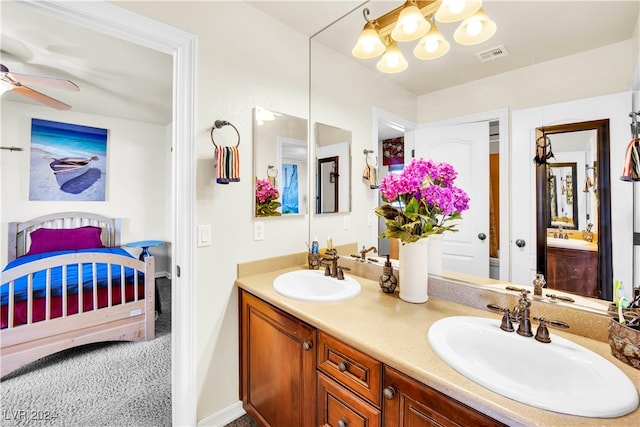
339,407
408,403
278,365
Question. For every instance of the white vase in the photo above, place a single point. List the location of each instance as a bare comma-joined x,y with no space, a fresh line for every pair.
414,271
435,254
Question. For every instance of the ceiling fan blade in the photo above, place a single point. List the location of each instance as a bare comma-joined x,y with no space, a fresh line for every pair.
40,97
29,80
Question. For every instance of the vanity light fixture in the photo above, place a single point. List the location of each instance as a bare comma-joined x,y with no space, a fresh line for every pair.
415,20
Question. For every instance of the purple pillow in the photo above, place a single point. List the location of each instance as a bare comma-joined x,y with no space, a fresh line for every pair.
64,239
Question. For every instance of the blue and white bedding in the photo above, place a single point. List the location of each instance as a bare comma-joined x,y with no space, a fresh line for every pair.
39,278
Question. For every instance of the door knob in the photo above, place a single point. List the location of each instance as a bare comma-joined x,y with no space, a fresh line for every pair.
520,243
482,236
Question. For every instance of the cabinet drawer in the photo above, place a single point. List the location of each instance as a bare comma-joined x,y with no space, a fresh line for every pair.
355,370
338,407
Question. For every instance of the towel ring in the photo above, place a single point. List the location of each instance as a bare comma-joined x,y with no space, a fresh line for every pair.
220,123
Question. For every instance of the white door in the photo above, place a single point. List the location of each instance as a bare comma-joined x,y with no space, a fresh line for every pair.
466,147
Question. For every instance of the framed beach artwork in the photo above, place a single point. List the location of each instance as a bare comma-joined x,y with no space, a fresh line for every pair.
68,162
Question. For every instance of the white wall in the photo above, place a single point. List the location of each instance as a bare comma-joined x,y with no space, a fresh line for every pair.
138,174
244,59
343,95
586,74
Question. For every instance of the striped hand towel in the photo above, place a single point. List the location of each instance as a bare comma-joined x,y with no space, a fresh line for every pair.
227,164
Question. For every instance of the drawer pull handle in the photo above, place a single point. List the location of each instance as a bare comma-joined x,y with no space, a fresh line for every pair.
308,345
389,393
342,366
342,422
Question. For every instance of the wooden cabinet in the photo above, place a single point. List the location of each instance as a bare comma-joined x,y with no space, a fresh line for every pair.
573,270
278,366
349,385
293,375
408,403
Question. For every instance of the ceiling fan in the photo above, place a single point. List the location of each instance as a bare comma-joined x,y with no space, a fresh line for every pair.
18,84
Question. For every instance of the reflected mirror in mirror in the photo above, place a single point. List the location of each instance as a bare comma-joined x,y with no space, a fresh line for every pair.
562,200
280,148
574,210
333,169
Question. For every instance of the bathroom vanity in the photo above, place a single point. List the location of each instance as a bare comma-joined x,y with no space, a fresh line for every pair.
573,270
366,361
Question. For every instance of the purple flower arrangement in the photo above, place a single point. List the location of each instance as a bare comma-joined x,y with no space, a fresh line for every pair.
266,199
428,201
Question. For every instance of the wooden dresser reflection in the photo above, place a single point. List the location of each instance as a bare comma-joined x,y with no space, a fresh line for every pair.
573,270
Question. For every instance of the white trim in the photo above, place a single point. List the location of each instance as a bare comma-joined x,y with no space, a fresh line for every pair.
122,23
502,115
224,416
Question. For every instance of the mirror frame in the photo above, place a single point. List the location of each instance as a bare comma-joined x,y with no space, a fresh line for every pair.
605,264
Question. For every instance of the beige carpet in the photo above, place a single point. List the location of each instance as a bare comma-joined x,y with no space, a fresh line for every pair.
243,421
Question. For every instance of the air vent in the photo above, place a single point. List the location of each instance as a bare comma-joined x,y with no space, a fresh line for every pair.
491,54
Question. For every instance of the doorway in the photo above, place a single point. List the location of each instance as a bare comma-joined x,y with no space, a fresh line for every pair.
121,23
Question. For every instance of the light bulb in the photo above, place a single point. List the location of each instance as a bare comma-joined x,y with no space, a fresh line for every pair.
456,6
474,26
369,44
411,24
392,61
431,44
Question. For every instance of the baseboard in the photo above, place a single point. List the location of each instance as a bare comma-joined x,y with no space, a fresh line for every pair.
223,417
162,274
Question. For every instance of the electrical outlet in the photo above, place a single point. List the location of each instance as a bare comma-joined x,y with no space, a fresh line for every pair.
204,235
258,230
370,219
347,222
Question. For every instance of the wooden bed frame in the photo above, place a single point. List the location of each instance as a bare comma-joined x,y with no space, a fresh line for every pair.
130,321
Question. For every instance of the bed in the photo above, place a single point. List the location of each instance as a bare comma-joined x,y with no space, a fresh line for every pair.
68,283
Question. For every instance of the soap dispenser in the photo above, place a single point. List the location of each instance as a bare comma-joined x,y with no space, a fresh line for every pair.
388,281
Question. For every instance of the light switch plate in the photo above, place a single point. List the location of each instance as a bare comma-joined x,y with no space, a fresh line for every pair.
204,235
347,222
258,230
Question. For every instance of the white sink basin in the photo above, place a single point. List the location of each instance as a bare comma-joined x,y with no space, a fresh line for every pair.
561,376
572,244
313,285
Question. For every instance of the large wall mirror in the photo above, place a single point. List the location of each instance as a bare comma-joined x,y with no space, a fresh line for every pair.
336,98
280,148
573,214
333,169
